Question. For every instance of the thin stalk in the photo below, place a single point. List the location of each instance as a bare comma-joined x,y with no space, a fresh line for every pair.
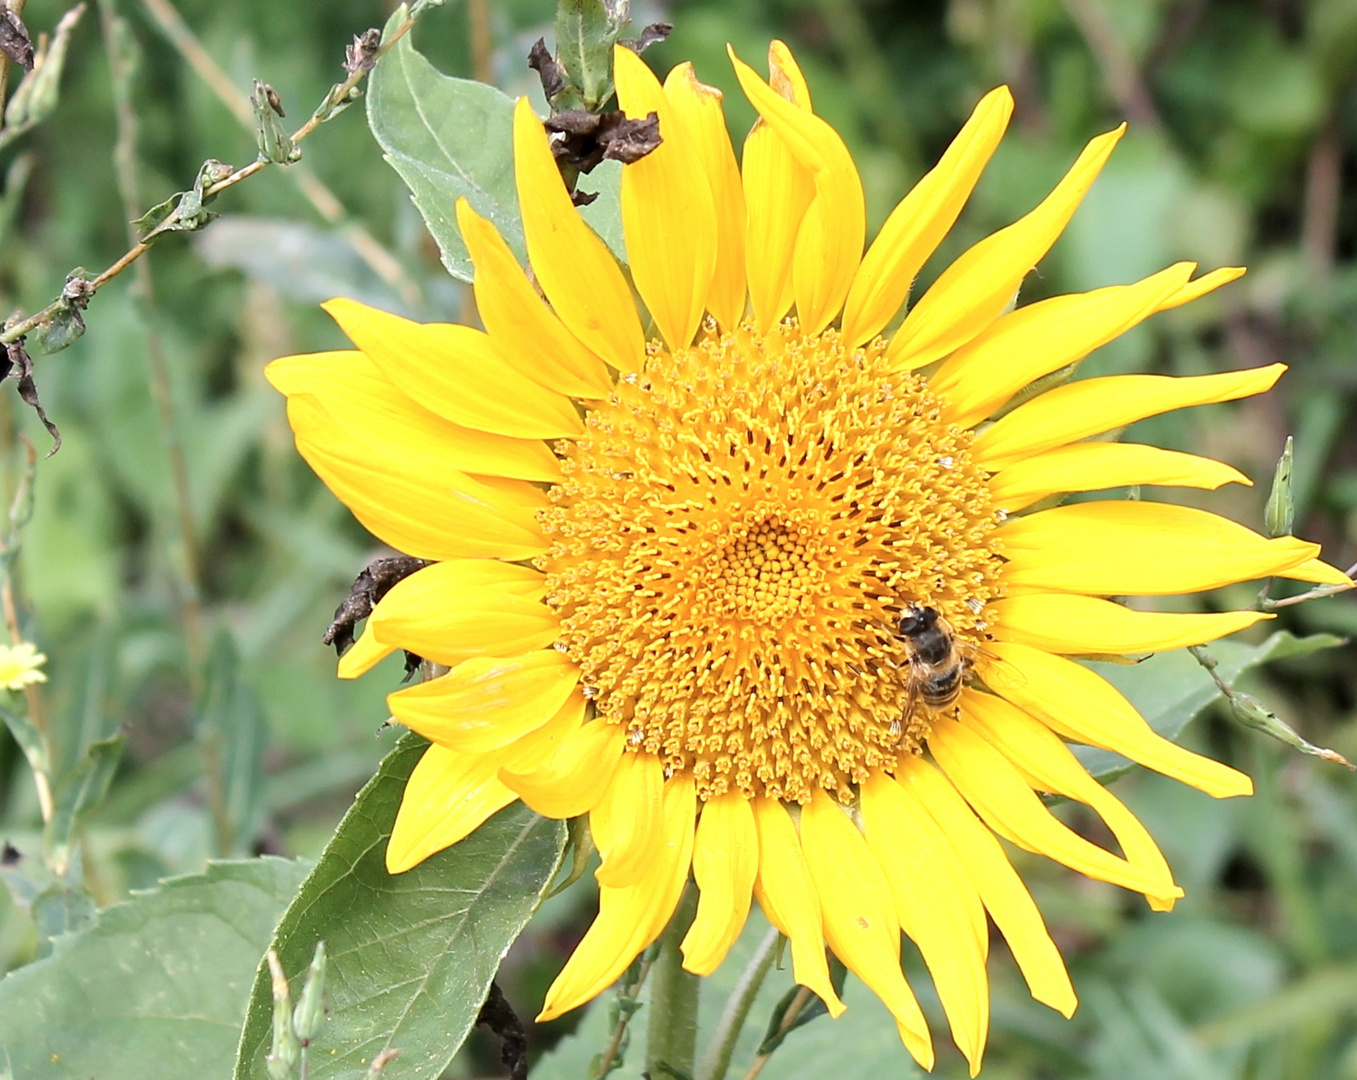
19,509
794,1007
338,93
384,264
188,562
671,1038
1313,594
717,1059
33,699
482,41
631,993
16,6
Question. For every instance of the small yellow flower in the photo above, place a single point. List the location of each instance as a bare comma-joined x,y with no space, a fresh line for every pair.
669,569
19,665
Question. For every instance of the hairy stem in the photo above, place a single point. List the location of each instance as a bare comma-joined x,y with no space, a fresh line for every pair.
671,1038
733,1016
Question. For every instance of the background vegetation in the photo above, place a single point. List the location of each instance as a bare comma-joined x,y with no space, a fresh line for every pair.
181,561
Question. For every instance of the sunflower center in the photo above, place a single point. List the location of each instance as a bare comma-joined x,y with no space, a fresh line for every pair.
734,539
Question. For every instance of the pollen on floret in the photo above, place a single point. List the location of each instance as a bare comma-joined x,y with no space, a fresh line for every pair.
734,538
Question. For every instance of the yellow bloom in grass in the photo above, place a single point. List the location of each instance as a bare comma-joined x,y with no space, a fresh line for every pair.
669,567
19,665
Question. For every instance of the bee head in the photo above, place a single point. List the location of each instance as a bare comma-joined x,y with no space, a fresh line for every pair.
917,618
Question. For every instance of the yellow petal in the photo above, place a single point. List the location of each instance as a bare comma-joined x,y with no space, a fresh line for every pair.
448,796
1092,466
626,821
1035,340
1116,548
974,290
1319,572
573,266
363,655
630,919
1004,895
1061,623
488,701
725,862
1080,705
668,215
525,332
430,514
786,893
449,612
938,906
573,780
1091,406
920,221
778,190
1203,285
997,791
1048,765
455,372
830,237
859,913
698,108
360,400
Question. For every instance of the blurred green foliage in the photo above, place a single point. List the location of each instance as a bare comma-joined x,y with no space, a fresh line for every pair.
190,622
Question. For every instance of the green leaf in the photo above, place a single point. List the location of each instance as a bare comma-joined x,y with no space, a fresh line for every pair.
61,909
1170,688
604,214
83,786
447,138
156,988
411,956
586,31
232,732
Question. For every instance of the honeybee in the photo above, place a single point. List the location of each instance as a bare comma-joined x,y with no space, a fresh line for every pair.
940,664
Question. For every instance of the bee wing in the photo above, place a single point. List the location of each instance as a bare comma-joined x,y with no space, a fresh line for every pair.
998,673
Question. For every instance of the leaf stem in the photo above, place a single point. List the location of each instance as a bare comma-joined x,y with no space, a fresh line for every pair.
1313,594
627,993
794,1007
381,261
671,1037
20,508
717,1059
16,6
338,94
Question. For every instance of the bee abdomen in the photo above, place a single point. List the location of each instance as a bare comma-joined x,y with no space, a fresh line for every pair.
943,687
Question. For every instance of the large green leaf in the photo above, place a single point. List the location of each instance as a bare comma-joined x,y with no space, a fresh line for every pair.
447,138
1171,688
411,955
155,988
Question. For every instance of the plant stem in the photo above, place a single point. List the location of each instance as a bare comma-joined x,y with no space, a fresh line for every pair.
384,264
794,1008
482,41
338,93
1313,594
733,1016
33,699
187,563
16,6
630,992
671,1038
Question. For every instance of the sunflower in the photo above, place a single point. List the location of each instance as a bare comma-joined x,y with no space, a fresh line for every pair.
669,555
